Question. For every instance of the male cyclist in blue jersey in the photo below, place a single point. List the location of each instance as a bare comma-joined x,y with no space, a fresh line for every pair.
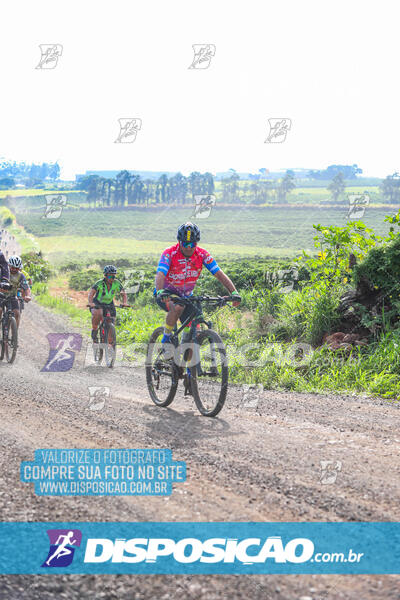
177,272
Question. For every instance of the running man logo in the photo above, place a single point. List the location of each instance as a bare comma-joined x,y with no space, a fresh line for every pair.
61,551
278,129
50,54
203,54
62,351
128,129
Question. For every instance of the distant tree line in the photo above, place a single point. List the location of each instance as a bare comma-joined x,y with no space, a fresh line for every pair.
390,188
12,172
257,191
127,188
348,172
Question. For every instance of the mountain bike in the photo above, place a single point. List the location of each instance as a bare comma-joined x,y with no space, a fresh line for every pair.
200,360
8,331
108,338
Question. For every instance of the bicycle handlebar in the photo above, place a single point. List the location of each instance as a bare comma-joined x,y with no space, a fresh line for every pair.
221,300
115,305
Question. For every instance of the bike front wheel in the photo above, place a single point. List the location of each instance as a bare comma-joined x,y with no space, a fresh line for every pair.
209,373
10,342
161,371
110,344
98,348
2,346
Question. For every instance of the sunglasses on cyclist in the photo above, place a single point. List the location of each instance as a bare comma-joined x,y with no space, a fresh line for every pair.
110,276
189,244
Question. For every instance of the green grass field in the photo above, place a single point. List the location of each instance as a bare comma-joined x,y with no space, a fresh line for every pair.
31,192
246,231
58,248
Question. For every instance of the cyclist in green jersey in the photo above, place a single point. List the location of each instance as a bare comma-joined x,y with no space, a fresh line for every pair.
102,294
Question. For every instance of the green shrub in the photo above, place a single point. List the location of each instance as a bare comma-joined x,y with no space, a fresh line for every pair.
72,265
38,267
307,314
6,217
381,268
39,288
83,280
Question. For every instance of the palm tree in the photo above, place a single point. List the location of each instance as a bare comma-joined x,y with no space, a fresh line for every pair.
337,186
162,188
390,188
287,185
121,187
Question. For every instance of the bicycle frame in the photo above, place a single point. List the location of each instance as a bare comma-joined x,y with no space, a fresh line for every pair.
107,318
196,318
5,303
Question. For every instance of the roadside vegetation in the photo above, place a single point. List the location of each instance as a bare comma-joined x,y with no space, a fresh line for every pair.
288,306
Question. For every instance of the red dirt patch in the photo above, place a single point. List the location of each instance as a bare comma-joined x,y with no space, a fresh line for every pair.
78,299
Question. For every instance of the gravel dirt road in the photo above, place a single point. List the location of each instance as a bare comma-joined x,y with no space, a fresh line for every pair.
245,465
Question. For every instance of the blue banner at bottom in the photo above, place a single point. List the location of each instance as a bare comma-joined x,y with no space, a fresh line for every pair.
200,548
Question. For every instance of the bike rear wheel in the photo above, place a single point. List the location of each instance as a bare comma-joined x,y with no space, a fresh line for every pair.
209,376
161,371
10,343
110,344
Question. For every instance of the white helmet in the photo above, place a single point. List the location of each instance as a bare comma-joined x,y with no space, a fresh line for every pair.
15,261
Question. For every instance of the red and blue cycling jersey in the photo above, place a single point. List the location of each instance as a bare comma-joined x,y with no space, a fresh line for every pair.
182,272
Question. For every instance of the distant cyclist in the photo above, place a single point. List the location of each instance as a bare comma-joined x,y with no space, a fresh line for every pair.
17,282
4,272
178,271
102,295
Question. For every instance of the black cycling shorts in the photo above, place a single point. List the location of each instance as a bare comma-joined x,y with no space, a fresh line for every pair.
187,311
110,307
14,303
